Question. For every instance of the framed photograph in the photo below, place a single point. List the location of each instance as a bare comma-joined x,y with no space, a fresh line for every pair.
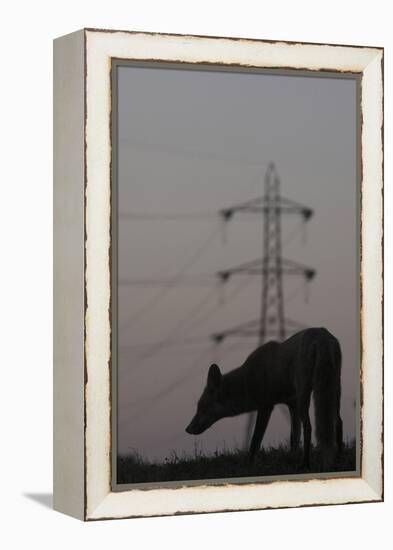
218,266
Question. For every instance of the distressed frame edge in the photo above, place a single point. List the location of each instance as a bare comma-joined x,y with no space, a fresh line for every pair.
375,492
372,268
236,38
104,510
68,270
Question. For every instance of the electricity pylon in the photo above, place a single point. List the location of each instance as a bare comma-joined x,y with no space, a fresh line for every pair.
271,267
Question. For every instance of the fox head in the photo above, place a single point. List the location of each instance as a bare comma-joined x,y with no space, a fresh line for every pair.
209,408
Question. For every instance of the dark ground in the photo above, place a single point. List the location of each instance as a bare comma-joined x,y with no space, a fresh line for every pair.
280,461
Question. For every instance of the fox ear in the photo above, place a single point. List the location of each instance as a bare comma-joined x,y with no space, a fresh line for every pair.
214,376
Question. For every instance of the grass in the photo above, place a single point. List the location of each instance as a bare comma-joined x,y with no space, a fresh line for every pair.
134,468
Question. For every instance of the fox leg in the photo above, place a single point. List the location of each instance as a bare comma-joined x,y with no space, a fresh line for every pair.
295,428
339,435
307,439
260,428
305,418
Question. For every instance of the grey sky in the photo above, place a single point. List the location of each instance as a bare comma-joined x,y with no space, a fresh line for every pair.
195,142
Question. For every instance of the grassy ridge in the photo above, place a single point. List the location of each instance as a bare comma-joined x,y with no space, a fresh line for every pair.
133,468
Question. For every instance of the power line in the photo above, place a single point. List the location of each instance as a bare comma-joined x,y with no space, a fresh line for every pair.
164,291
154,216
252,328
169,344
191,153
202,279
188,374
195,280
186,327
163,343
197,321
179,216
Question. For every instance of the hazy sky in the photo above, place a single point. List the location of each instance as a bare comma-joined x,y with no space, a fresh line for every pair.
193,142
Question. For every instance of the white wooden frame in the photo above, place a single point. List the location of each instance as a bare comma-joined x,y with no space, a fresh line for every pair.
82,335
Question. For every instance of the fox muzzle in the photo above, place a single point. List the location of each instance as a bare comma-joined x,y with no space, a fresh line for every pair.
194,429
199,424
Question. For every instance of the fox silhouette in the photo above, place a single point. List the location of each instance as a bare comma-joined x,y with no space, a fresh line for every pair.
308,363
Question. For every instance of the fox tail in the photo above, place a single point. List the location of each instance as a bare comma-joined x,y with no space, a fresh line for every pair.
327,395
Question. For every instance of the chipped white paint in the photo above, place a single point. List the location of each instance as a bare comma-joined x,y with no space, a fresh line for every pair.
372,291
101,47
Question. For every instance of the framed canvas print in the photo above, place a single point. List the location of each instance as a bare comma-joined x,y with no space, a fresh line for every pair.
218,274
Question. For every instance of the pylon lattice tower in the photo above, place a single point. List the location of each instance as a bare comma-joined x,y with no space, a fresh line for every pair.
271,267
272,294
